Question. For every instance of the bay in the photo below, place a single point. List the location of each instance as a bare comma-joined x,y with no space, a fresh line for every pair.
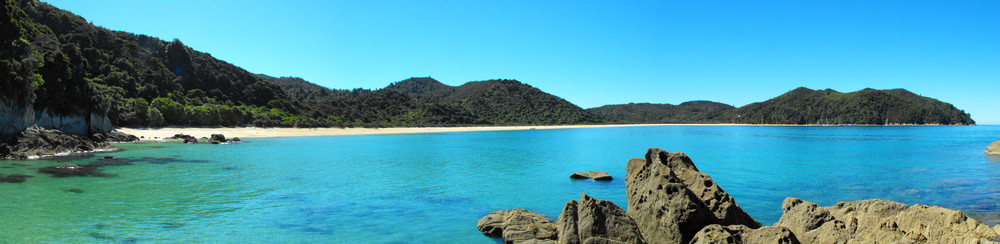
432,188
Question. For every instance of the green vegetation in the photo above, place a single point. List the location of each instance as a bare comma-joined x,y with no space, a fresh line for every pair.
687,112
865,107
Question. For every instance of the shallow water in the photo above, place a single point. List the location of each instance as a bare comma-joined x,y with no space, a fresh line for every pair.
432,188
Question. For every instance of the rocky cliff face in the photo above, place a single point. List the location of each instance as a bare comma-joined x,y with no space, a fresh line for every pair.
15,118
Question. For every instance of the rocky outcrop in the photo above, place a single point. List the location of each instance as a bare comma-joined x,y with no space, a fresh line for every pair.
37,142
876,220
595,220
117,136
671,200
598,176
993,148
518,226
187,138
217,139
718,234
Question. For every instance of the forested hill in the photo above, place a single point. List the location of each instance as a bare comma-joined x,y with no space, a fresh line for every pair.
863,107
687,112
427,102
501,102
55,60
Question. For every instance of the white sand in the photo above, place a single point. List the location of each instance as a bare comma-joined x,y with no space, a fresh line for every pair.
229,132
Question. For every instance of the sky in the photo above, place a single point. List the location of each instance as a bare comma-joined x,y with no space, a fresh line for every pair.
593,53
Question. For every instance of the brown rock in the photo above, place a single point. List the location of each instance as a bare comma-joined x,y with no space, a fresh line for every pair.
671,200
993,148
596,219
518,226
876,220
599,176
718,234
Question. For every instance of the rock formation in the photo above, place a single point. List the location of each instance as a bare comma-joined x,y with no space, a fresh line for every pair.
671,200
877,220
217,138
718,234
594,220
993,148
36,142
598,176
518,226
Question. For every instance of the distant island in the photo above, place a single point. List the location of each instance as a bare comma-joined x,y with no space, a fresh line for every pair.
66,74
802,106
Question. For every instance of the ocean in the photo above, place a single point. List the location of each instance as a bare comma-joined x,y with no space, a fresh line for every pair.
432,188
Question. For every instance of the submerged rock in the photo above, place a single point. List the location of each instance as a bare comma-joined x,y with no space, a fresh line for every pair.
217,139
599,176
671,200
15,178
993,148
877,220
518,226
594,220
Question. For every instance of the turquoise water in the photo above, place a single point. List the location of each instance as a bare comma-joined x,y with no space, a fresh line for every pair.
432,188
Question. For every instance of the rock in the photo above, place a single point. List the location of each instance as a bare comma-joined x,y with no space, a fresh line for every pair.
594,220
236,139
517,226
14,178
993,148
217,138
190,140
874,220
68,170
718,234
108,157
117,136
600,176
670,200
35,141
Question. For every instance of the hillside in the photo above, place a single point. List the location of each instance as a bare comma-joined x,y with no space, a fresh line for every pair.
500,102
651,113
863,107
58,67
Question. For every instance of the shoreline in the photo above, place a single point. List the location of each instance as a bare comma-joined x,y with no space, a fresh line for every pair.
148,134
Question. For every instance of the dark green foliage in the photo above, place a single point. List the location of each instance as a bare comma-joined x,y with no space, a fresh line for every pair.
500,102
687,112
55,60
866,107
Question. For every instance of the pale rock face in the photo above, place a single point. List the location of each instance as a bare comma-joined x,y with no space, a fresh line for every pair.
594,220
518,226
671,200
15,118
993,148
880,221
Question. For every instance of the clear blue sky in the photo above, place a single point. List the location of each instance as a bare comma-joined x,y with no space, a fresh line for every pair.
598,52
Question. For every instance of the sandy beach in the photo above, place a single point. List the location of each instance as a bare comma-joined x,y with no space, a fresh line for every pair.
251,132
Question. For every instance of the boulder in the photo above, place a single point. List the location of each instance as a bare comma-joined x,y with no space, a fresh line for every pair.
117,136
671,200
876,220
599,176
236,139
594,220
217,138
191,140
518,226
36,141
993,148
718,234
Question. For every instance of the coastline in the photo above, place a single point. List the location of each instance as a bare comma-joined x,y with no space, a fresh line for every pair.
262,132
